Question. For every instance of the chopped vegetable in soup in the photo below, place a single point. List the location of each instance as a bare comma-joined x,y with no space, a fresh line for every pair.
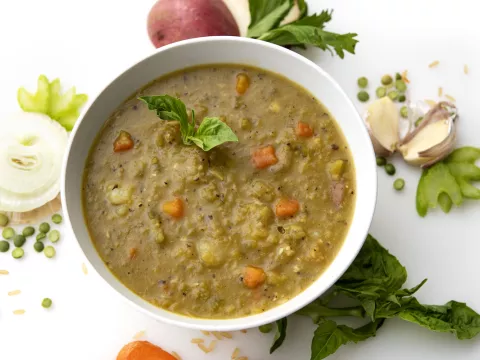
233,231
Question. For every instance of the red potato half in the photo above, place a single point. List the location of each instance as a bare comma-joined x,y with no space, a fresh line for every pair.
174,20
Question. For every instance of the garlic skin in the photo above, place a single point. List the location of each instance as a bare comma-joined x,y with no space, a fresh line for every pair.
382,120
433,139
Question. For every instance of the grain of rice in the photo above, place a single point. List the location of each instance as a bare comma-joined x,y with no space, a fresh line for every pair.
451,98
434,64
242,358
243,331
217,335
14,292
431,103
212,345
226,334
203,348
405,77
176,356
197,341
206,333
84,269
235,353
465,69
19,312
440,91
4,272
139,335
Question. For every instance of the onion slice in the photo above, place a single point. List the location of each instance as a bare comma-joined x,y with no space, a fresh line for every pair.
31,152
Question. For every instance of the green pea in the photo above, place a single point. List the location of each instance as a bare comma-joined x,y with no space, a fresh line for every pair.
49,251
363,96
8,233
28,231
386,80
265,329
46,303
390,169
381,92
393,95
41,236
57,218
399,184
18,253
419,120
362,82
3,220
398,76
402,98
381,161
19,240
54,236
400,85
404,112
44,227
38,246
4,246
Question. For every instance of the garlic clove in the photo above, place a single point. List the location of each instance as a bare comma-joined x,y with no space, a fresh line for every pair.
382,120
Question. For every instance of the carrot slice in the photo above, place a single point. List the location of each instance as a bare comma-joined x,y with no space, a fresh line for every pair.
143,350
287,207
174,208
303,130
123,142
253,277
264,157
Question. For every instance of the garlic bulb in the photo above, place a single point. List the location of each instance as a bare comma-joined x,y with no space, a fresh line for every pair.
433,139
382,120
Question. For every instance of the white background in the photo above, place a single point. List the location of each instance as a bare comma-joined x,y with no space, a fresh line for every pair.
88,42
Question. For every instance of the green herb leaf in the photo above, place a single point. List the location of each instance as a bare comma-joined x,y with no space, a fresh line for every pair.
329,337
453,317
318,312
279,334
266,15
462,166
212,132
303,7
435,181
374,275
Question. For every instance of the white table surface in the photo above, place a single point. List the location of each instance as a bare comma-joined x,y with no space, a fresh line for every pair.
88,42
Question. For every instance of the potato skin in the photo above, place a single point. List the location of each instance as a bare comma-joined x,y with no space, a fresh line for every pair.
174,20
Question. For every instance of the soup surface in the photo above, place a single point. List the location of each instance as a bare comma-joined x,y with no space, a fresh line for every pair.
230,232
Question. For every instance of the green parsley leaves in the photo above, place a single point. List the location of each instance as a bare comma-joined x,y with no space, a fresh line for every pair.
211,132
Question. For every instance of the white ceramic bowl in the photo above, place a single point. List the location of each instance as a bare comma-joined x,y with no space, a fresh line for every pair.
230,50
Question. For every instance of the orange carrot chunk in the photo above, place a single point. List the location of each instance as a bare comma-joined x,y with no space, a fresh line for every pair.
264,157
253,277
123,142
243,83
173,208
287,207
303,130
143,350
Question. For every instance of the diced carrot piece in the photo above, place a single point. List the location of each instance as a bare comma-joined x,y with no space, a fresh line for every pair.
123,142
243,83
264,157
132,253
253,277
303,130
287,207
174,208
143,350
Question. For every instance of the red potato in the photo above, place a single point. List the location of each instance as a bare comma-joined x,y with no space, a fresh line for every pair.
174,20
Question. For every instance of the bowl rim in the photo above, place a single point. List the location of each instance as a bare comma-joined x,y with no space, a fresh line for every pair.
227,324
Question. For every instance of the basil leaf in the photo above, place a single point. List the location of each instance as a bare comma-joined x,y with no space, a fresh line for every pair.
410,292
280,334
374,275
329,336
170,108
296,33
462,166
453,317
317,312
212,132
266,15
435,181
